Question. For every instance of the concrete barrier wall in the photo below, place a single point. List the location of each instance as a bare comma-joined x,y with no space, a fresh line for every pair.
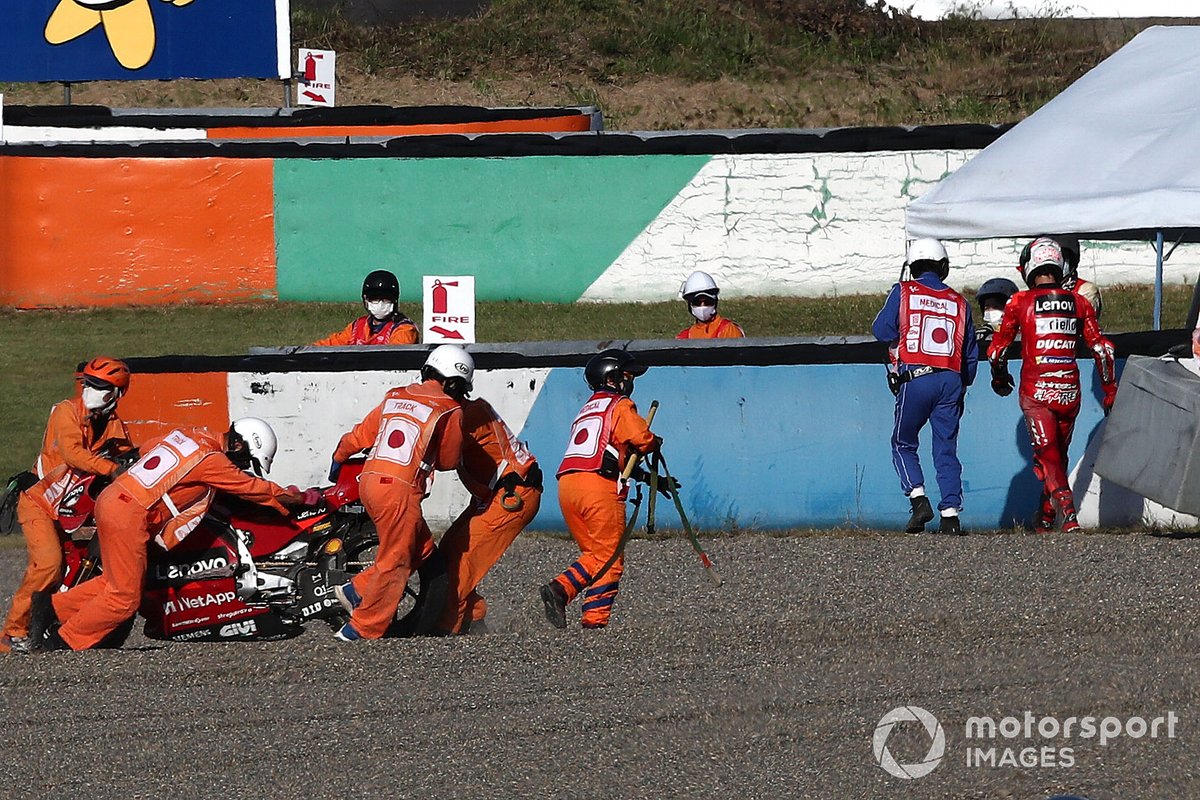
763,447
556,228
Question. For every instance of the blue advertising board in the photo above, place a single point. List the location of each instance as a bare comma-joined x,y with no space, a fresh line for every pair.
91,40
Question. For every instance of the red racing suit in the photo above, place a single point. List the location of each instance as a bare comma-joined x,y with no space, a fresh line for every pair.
1051,321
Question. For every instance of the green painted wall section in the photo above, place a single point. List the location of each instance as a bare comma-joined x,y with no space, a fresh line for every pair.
531,228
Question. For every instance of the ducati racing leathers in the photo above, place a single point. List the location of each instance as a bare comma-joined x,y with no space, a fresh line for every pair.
1050,322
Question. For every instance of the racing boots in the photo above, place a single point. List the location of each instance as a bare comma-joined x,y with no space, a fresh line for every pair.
1047,513
922,512
1066,504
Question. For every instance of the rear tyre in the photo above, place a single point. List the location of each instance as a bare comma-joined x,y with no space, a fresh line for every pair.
117,638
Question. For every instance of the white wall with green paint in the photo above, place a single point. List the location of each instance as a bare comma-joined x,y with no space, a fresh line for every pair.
822,224
630,228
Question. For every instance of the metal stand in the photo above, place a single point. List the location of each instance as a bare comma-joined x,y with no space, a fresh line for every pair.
287,93
66,93
1160,259
1158,280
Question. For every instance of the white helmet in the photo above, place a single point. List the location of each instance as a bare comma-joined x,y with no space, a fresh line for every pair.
932,257
926,250
699,282
260,440
451,361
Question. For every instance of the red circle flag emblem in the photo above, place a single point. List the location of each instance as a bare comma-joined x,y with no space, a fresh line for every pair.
153,462
581,437
940,335
396,439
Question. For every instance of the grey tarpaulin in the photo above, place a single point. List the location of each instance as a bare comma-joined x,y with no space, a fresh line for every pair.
1152,439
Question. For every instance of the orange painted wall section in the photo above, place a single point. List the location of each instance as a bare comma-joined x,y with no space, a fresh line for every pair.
576,122
126,231
158,402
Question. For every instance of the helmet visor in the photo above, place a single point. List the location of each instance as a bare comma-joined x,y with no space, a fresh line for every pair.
99,384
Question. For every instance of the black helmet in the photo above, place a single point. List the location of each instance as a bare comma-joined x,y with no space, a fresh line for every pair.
381,285
996,287
606,365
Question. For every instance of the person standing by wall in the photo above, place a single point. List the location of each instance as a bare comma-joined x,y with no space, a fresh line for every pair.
929,331
992,296
383,323
1050,320
700,293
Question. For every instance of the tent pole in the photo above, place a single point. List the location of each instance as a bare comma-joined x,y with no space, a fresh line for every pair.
1158,280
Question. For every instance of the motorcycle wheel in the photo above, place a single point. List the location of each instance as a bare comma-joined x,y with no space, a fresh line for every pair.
425,595
8,512
117,638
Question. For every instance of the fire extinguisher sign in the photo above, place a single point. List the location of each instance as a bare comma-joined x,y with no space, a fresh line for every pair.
315,84
449,309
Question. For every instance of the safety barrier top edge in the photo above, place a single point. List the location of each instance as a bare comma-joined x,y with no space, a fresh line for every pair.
653,352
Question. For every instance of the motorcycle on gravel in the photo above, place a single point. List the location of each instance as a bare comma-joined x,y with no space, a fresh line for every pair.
251,573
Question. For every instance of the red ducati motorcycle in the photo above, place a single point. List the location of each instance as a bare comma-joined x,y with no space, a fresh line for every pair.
251,573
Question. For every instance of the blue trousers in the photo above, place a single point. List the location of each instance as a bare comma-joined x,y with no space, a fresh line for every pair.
936,398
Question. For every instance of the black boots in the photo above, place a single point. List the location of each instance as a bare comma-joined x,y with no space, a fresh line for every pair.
555,601
922,512
41,618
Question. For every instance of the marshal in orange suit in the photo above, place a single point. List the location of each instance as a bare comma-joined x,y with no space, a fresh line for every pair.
415,431
607,432
505,482
163,497
79,429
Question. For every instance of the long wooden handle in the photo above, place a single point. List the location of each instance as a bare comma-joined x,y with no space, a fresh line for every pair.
636,457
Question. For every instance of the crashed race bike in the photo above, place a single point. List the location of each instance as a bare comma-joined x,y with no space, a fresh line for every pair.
251,573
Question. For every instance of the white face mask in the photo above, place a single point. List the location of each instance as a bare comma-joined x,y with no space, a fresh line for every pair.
993,317
703,313
380,309
99,399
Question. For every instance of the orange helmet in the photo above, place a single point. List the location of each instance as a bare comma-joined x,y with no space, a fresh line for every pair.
107,370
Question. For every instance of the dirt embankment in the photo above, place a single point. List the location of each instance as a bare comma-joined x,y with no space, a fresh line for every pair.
752,64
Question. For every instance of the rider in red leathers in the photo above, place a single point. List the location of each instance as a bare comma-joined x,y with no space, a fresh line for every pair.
1050,320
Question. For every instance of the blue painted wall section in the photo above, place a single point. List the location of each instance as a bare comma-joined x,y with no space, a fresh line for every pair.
806,446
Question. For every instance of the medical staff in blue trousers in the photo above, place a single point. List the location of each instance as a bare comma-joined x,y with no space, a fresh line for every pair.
933,355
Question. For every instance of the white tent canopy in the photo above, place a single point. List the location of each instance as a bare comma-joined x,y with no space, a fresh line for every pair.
1114,156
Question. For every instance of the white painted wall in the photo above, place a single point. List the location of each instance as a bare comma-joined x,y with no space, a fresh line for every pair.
311,410
42,134
825,224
